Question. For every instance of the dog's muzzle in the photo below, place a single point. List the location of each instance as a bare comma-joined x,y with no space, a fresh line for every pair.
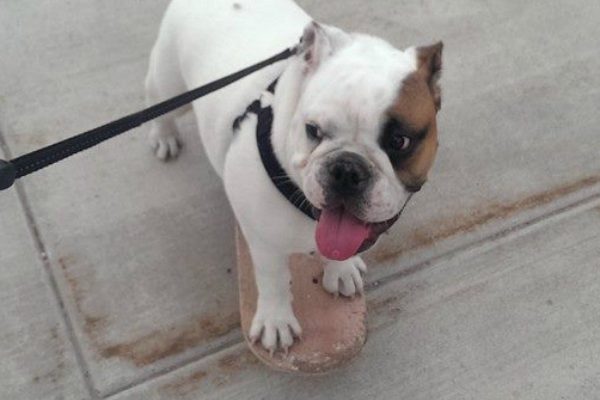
340,235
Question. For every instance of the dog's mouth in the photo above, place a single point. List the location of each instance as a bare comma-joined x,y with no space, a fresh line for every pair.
341,235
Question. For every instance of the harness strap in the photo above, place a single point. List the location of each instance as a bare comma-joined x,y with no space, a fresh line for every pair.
273,167
31,162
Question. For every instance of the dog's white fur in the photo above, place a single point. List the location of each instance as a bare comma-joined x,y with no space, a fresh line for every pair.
343,82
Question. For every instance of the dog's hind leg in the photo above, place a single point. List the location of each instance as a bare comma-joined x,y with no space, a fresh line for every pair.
163,81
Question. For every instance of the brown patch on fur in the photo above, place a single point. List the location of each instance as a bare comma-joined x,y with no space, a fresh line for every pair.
414,103
429,64
415,107
154,346
443,229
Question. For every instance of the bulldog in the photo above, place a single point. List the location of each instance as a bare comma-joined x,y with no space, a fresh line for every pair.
353,129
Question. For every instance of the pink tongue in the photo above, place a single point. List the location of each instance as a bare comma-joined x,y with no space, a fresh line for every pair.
340,234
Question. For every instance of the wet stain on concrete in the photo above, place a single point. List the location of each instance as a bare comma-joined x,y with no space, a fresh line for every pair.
466,223
153,346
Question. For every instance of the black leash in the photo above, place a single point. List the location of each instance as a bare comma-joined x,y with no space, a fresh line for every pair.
31,162
273,168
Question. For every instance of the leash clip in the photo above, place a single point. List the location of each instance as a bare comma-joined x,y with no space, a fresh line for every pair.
8,174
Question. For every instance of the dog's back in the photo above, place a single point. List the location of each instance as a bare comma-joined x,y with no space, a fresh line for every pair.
202,40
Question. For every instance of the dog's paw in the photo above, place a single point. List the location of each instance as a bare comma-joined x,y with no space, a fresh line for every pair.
345,277
275,327
165,143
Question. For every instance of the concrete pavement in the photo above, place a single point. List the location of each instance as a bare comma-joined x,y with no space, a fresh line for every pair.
117,272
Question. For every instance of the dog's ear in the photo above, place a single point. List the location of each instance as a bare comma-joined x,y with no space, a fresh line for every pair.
429,63
319,42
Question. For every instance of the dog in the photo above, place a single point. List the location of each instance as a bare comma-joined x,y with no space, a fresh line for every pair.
354,128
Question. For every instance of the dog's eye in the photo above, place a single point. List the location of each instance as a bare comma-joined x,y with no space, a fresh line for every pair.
395,139
313,132
401,143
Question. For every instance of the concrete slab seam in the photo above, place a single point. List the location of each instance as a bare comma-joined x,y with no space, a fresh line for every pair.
42,254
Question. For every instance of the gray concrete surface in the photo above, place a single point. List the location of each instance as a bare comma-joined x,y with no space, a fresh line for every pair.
37,357
498,322
486,289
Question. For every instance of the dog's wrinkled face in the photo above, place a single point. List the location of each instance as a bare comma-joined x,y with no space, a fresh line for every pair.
364,133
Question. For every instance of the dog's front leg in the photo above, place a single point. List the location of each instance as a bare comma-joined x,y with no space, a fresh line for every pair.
274,322
344,277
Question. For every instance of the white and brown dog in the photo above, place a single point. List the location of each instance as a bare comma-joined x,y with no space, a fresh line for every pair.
354,128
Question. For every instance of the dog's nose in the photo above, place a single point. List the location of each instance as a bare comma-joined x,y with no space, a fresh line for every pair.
349,174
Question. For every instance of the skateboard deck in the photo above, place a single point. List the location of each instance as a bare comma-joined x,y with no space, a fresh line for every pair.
333,328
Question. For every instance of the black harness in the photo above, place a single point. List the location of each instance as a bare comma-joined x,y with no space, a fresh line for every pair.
280,178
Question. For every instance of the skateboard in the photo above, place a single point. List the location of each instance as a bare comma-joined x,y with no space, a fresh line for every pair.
333,327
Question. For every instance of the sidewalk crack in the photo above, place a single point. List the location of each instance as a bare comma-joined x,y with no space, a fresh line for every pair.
42,254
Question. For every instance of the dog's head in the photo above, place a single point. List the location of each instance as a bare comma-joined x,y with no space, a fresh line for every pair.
363,134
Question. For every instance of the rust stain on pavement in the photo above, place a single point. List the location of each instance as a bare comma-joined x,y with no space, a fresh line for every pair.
150,347
160,344
184,385
466,223
230,365
91,323
218,373
237,361
56,373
